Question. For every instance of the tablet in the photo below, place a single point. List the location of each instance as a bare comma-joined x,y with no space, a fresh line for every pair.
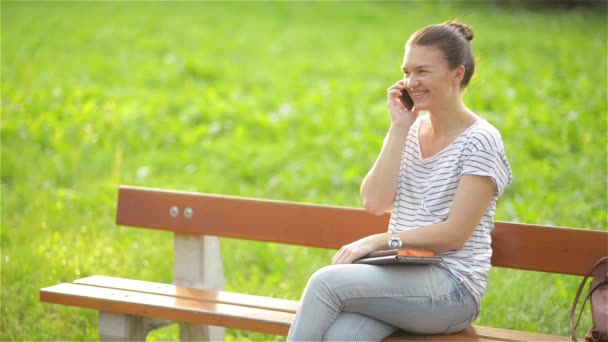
400,256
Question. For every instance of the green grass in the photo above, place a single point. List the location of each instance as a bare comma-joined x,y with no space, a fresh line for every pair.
273,100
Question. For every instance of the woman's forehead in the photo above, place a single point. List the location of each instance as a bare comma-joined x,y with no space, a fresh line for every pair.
417,56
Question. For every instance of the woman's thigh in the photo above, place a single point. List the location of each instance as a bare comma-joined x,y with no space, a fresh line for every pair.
356,327
415,298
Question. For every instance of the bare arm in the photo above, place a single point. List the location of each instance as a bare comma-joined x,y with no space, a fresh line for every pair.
380,184
473,196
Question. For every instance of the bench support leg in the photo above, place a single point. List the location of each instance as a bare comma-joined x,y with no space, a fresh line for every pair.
198,264
120,327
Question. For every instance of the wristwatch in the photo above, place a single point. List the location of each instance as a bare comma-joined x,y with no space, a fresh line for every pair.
394,242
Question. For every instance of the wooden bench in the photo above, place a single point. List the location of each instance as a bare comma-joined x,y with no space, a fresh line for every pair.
128,308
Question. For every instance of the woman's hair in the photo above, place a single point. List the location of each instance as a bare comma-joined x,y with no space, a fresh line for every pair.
453,39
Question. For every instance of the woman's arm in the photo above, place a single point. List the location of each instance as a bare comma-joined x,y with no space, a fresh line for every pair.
380,184
473,196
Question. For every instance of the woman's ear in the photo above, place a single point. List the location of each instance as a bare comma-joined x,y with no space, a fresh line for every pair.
459,74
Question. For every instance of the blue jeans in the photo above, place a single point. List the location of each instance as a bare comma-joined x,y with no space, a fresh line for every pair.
355,302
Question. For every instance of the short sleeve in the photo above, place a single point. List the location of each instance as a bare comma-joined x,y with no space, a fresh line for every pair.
485,156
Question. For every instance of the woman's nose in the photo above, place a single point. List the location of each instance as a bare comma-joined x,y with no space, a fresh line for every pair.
410,81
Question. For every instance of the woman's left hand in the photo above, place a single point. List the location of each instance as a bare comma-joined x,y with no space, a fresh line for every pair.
355,250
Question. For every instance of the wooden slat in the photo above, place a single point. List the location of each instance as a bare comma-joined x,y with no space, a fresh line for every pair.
222,297
401,337
165,307
547,249
520,246
511,335
245,218
479,333
93,293
474,333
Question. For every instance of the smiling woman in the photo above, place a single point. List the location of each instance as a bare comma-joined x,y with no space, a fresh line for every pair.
432,47
445,173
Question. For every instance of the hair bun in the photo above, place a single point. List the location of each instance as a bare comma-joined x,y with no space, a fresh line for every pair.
463,29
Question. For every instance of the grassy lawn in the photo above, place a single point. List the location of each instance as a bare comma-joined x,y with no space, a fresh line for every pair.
279,100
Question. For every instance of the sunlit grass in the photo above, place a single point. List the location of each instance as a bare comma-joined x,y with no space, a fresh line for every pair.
270,100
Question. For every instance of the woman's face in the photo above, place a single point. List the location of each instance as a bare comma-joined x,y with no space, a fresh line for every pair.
428,77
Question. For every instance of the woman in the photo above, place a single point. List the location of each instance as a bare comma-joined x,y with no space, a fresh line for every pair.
443,173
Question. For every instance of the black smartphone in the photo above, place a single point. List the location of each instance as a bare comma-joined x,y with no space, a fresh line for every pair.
406,100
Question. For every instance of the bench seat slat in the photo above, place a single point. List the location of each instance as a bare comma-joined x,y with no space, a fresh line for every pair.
512,335
143,298
165,307
222,297
473,333
401,337
275,304
481,333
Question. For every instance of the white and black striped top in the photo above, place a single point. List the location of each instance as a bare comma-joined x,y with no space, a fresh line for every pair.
427,188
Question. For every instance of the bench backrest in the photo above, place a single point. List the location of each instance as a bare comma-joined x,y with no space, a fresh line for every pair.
520,246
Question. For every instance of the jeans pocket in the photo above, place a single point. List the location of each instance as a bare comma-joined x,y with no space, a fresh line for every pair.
457,282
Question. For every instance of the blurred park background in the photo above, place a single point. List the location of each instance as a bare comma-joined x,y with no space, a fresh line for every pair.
278,100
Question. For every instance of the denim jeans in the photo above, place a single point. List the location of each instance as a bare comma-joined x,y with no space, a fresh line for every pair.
355,302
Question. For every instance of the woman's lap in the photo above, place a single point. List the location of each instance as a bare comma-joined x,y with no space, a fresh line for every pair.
416,298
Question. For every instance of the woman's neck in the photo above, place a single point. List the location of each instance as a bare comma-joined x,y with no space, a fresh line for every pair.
450,120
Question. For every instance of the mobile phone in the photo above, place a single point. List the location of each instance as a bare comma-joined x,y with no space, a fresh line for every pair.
406,100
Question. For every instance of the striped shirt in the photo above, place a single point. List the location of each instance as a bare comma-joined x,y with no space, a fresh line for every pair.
427,187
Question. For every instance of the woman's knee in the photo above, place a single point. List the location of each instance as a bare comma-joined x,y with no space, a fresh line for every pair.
324,285
324,277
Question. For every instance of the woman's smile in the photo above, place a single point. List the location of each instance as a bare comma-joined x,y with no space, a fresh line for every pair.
417,95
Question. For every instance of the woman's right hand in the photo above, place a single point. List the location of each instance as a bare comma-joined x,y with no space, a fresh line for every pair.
400,116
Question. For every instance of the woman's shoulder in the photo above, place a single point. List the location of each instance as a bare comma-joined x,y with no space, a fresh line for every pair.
485,134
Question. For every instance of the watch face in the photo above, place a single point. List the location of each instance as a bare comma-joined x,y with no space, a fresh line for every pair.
394,243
